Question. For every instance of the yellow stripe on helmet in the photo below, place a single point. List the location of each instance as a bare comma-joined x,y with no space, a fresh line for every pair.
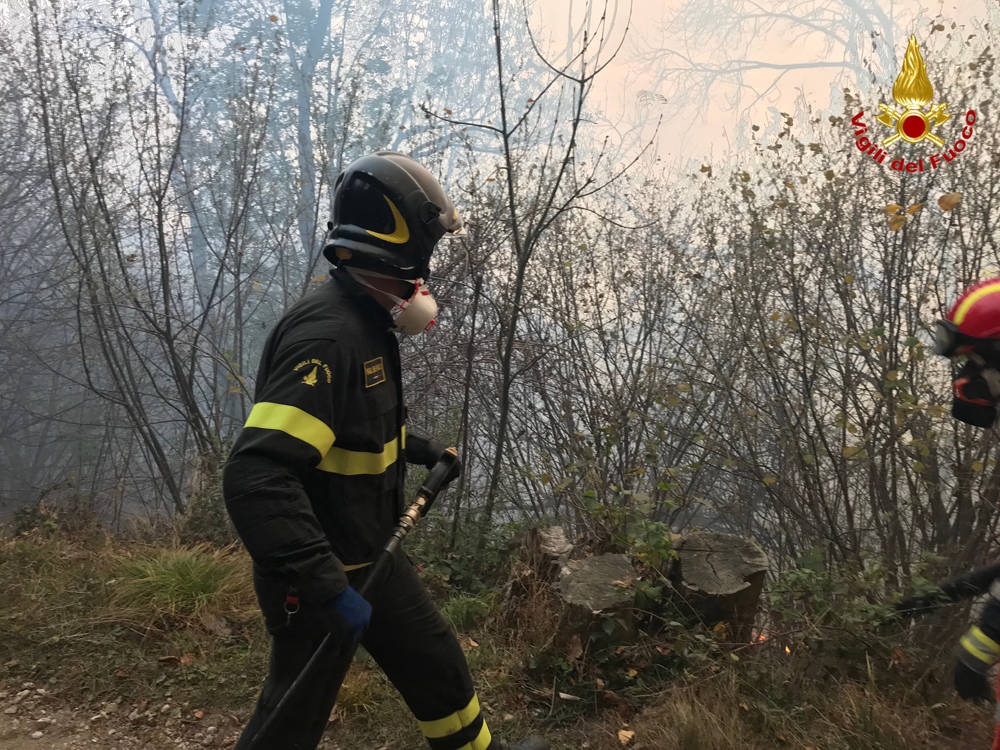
400,232
963,309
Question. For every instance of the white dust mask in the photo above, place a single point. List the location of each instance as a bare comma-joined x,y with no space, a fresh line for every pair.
409,316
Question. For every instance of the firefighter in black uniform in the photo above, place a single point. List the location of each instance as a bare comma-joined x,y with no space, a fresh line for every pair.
971,331
314,481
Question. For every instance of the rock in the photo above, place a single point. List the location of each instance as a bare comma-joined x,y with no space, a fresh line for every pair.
720,577
36,735
11,709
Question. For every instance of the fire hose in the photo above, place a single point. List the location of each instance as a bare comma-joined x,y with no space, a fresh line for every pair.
435,481
965,586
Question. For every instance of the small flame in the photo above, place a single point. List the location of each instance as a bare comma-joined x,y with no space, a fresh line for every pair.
913,88
787,650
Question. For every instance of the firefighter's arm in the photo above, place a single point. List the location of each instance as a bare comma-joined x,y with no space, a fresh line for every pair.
979,649
290,428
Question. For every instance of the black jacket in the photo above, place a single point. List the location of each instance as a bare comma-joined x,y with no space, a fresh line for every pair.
314,480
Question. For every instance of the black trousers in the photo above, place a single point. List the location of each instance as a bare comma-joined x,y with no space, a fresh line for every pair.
409,640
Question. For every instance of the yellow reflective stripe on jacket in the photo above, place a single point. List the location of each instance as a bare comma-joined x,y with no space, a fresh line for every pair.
343,461
292,421
452,723
980,645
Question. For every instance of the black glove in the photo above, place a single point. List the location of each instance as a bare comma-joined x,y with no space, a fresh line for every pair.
427,451
920,604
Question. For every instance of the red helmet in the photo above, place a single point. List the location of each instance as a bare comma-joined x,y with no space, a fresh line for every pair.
973,321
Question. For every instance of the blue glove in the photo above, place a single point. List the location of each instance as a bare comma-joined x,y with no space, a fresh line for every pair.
353,611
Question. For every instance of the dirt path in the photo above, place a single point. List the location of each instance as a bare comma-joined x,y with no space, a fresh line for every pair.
32,716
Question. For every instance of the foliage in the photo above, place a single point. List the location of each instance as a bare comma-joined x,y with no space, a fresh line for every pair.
64,628
164,586
465,612
205,518
69,515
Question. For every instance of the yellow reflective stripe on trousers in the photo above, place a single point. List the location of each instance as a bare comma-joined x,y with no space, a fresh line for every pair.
292,421
453,722
482,741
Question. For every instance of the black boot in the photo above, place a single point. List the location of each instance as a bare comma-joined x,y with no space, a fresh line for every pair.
531,743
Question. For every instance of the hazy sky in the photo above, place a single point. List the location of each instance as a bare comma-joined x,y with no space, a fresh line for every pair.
702,124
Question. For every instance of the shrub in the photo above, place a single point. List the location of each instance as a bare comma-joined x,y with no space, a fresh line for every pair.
163,586
465,612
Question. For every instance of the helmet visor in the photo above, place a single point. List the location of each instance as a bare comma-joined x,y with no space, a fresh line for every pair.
947,338
949,342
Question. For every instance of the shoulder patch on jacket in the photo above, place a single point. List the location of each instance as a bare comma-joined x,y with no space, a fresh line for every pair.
312,370
374,372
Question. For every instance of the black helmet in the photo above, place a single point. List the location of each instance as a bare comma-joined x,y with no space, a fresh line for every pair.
388,213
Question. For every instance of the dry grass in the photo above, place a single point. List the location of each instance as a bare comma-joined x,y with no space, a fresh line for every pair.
105,618
158,588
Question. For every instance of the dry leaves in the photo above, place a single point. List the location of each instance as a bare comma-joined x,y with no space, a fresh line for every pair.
625,736
898,220
574,650
949,200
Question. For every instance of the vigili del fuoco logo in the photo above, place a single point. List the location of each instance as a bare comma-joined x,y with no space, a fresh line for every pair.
912,122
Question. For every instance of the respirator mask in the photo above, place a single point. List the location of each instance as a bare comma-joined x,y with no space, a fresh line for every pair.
409,316
977,391
977,383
